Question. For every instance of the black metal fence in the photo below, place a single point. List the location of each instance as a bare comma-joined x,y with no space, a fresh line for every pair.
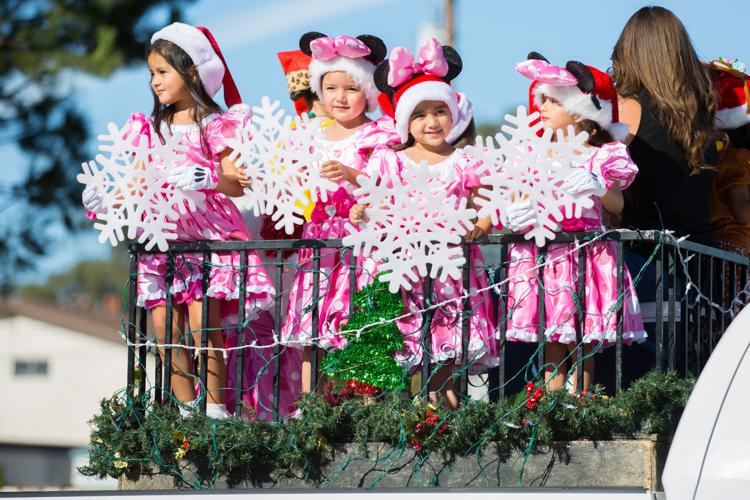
695,288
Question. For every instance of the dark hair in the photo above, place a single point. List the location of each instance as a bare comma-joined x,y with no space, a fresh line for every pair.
598,135
654,54
306,94
740,137
203,105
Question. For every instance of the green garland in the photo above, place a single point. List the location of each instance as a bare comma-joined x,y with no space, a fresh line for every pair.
130,437
369,357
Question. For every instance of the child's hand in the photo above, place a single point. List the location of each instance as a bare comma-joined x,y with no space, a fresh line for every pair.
481,228
336,171
584,183
192,177
92,200
357,214
243,179
518,216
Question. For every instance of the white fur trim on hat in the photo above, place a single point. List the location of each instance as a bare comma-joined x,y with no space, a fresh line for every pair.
196,45
731,118
425,91
360,69
576,103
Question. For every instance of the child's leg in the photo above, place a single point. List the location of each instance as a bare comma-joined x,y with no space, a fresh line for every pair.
217,372
442,382
588,366
555,368
182,364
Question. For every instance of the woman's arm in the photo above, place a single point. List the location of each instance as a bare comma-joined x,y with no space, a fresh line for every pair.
630,114
739,202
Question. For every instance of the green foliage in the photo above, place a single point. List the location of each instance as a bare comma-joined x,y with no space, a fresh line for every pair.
369,357
132,437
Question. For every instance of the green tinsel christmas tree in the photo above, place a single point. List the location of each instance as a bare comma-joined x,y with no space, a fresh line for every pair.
369,358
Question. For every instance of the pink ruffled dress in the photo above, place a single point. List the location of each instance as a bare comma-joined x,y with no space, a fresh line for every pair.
560,274
328,220
217,220
459,177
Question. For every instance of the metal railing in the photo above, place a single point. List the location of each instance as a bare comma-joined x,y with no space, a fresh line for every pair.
687,323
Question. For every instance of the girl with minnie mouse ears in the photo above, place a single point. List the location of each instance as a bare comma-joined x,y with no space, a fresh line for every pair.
430,116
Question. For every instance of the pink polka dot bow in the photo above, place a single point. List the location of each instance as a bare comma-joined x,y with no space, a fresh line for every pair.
430,61
544,72
326,48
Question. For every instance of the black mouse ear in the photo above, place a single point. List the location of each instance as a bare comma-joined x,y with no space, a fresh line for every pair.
537,56
304,41
381,78
583,74
377,48
455,64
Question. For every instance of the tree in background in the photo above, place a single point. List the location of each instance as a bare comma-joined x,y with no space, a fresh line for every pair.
43,44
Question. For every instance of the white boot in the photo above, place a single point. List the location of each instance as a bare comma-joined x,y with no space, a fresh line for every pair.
216,411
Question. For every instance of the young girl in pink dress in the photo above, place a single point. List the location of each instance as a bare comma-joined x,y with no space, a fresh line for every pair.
585,98
430,117
187,70
341,76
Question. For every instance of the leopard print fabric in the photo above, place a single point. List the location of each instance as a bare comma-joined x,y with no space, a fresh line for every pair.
297,81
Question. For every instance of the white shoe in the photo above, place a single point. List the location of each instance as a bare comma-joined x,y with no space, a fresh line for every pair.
187,408
216,411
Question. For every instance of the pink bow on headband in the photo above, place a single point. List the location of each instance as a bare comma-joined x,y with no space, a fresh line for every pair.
326,48
544,72
430,61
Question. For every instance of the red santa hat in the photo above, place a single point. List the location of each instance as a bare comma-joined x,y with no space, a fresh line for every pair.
734,93
582,90
201,46
356,57
405,83
295,65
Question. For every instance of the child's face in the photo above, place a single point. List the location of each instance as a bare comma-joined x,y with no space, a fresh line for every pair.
430,123
554,115
166,82
342,99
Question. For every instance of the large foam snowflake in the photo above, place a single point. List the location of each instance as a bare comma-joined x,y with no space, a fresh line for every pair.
413,226
281,160
131,177
526,166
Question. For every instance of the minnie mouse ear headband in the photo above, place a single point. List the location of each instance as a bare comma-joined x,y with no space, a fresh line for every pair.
734,93
405,83
581,90
356,57
295,65
200,45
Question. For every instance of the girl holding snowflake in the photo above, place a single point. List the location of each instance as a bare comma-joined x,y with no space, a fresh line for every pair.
430,117
582,97
187,69
340,72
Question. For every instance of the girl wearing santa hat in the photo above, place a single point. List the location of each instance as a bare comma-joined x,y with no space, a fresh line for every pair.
430,118
187,70
582,97
341,75
729,202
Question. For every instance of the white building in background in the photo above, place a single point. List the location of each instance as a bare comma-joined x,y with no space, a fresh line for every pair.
55,367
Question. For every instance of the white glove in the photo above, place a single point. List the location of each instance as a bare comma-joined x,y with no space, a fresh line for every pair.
92,200
191,177
519,215
584,183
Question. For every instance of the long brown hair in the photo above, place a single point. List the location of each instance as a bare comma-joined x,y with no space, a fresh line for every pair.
654,54
203,105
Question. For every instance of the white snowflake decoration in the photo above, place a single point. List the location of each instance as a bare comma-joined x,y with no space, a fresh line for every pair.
131,179
281,160
526,166
413,225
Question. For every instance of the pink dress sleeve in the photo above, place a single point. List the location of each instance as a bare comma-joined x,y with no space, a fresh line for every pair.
141,124
472,169
373,135
613,162
224,127
383,163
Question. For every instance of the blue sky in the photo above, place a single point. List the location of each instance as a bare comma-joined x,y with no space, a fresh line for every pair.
491,35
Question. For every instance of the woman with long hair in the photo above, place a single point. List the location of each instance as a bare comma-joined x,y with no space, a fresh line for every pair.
668,102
